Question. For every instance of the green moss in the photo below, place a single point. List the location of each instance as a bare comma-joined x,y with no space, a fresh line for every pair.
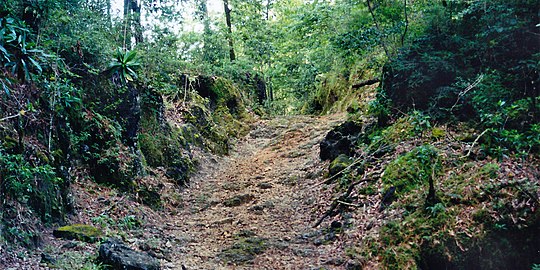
467,186
245,249
80,232
438,133
339,164
166,145
150,197
412,169
224,90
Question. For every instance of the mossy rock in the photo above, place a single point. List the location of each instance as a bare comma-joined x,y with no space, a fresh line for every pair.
438,133
244,250
339,164
80,232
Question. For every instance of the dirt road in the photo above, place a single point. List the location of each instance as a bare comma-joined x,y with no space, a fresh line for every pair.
255,208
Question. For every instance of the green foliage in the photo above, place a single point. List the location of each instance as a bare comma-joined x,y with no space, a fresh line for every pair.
120,224
124,64
16,51
469,67
99,144
30,184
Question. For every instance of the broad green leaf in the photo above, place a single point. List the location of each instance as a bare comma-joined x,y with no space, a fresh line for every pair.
6,89
130,56
36,64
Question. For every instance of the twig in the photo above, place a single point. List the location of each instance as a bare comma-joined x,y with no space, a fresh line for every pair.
22,112
471,86
349,204
340,200
474,143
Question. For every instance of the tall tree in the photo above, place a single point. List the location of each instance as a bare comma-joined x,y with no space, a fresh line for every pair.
132,23
227,10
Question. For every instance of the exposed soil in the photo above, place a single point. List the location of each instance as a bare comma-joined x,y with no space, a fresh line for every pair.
255,208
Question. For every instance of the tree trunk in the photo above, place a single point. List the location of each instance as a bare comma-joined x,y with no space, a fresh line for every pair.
268,2
136,19
229,28
109,19
404,35
383,43
127,37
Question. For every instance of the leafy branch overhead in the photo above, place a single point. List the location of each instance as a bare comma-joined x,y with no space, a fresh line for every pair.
124,65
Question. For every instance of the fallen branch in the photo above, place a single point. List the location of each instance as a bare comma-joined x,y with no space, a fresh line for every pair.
362,159
466,90
474,143
349,204
340,200
366,82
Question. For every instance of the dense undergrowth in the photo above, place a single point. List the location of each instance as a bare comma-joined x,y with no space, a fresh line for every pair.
452,139
65,113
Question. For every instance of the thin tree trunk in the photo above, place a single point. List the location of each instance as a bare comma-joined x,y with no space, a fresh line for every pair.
136,13
378,28
406,23
268,2
109,19
126,24
229,28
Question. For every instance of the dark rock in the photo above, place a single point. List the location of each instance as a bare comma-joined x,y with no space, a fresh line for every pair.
264,185
340,140
47,258
336,224
353,265
258,209
388,198
80,232
238,200
335,261
119,256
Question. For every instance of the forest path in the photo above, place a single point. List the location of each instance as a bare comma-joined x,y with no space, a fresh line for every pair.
254,209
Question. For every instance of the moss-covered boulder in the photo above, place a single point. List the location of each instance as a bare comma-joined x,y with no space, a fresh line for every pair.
412,169
80,232
339,164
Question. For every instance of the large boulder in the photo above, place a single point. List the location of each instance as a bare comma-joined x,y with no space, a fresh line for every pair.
116,254
341,140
